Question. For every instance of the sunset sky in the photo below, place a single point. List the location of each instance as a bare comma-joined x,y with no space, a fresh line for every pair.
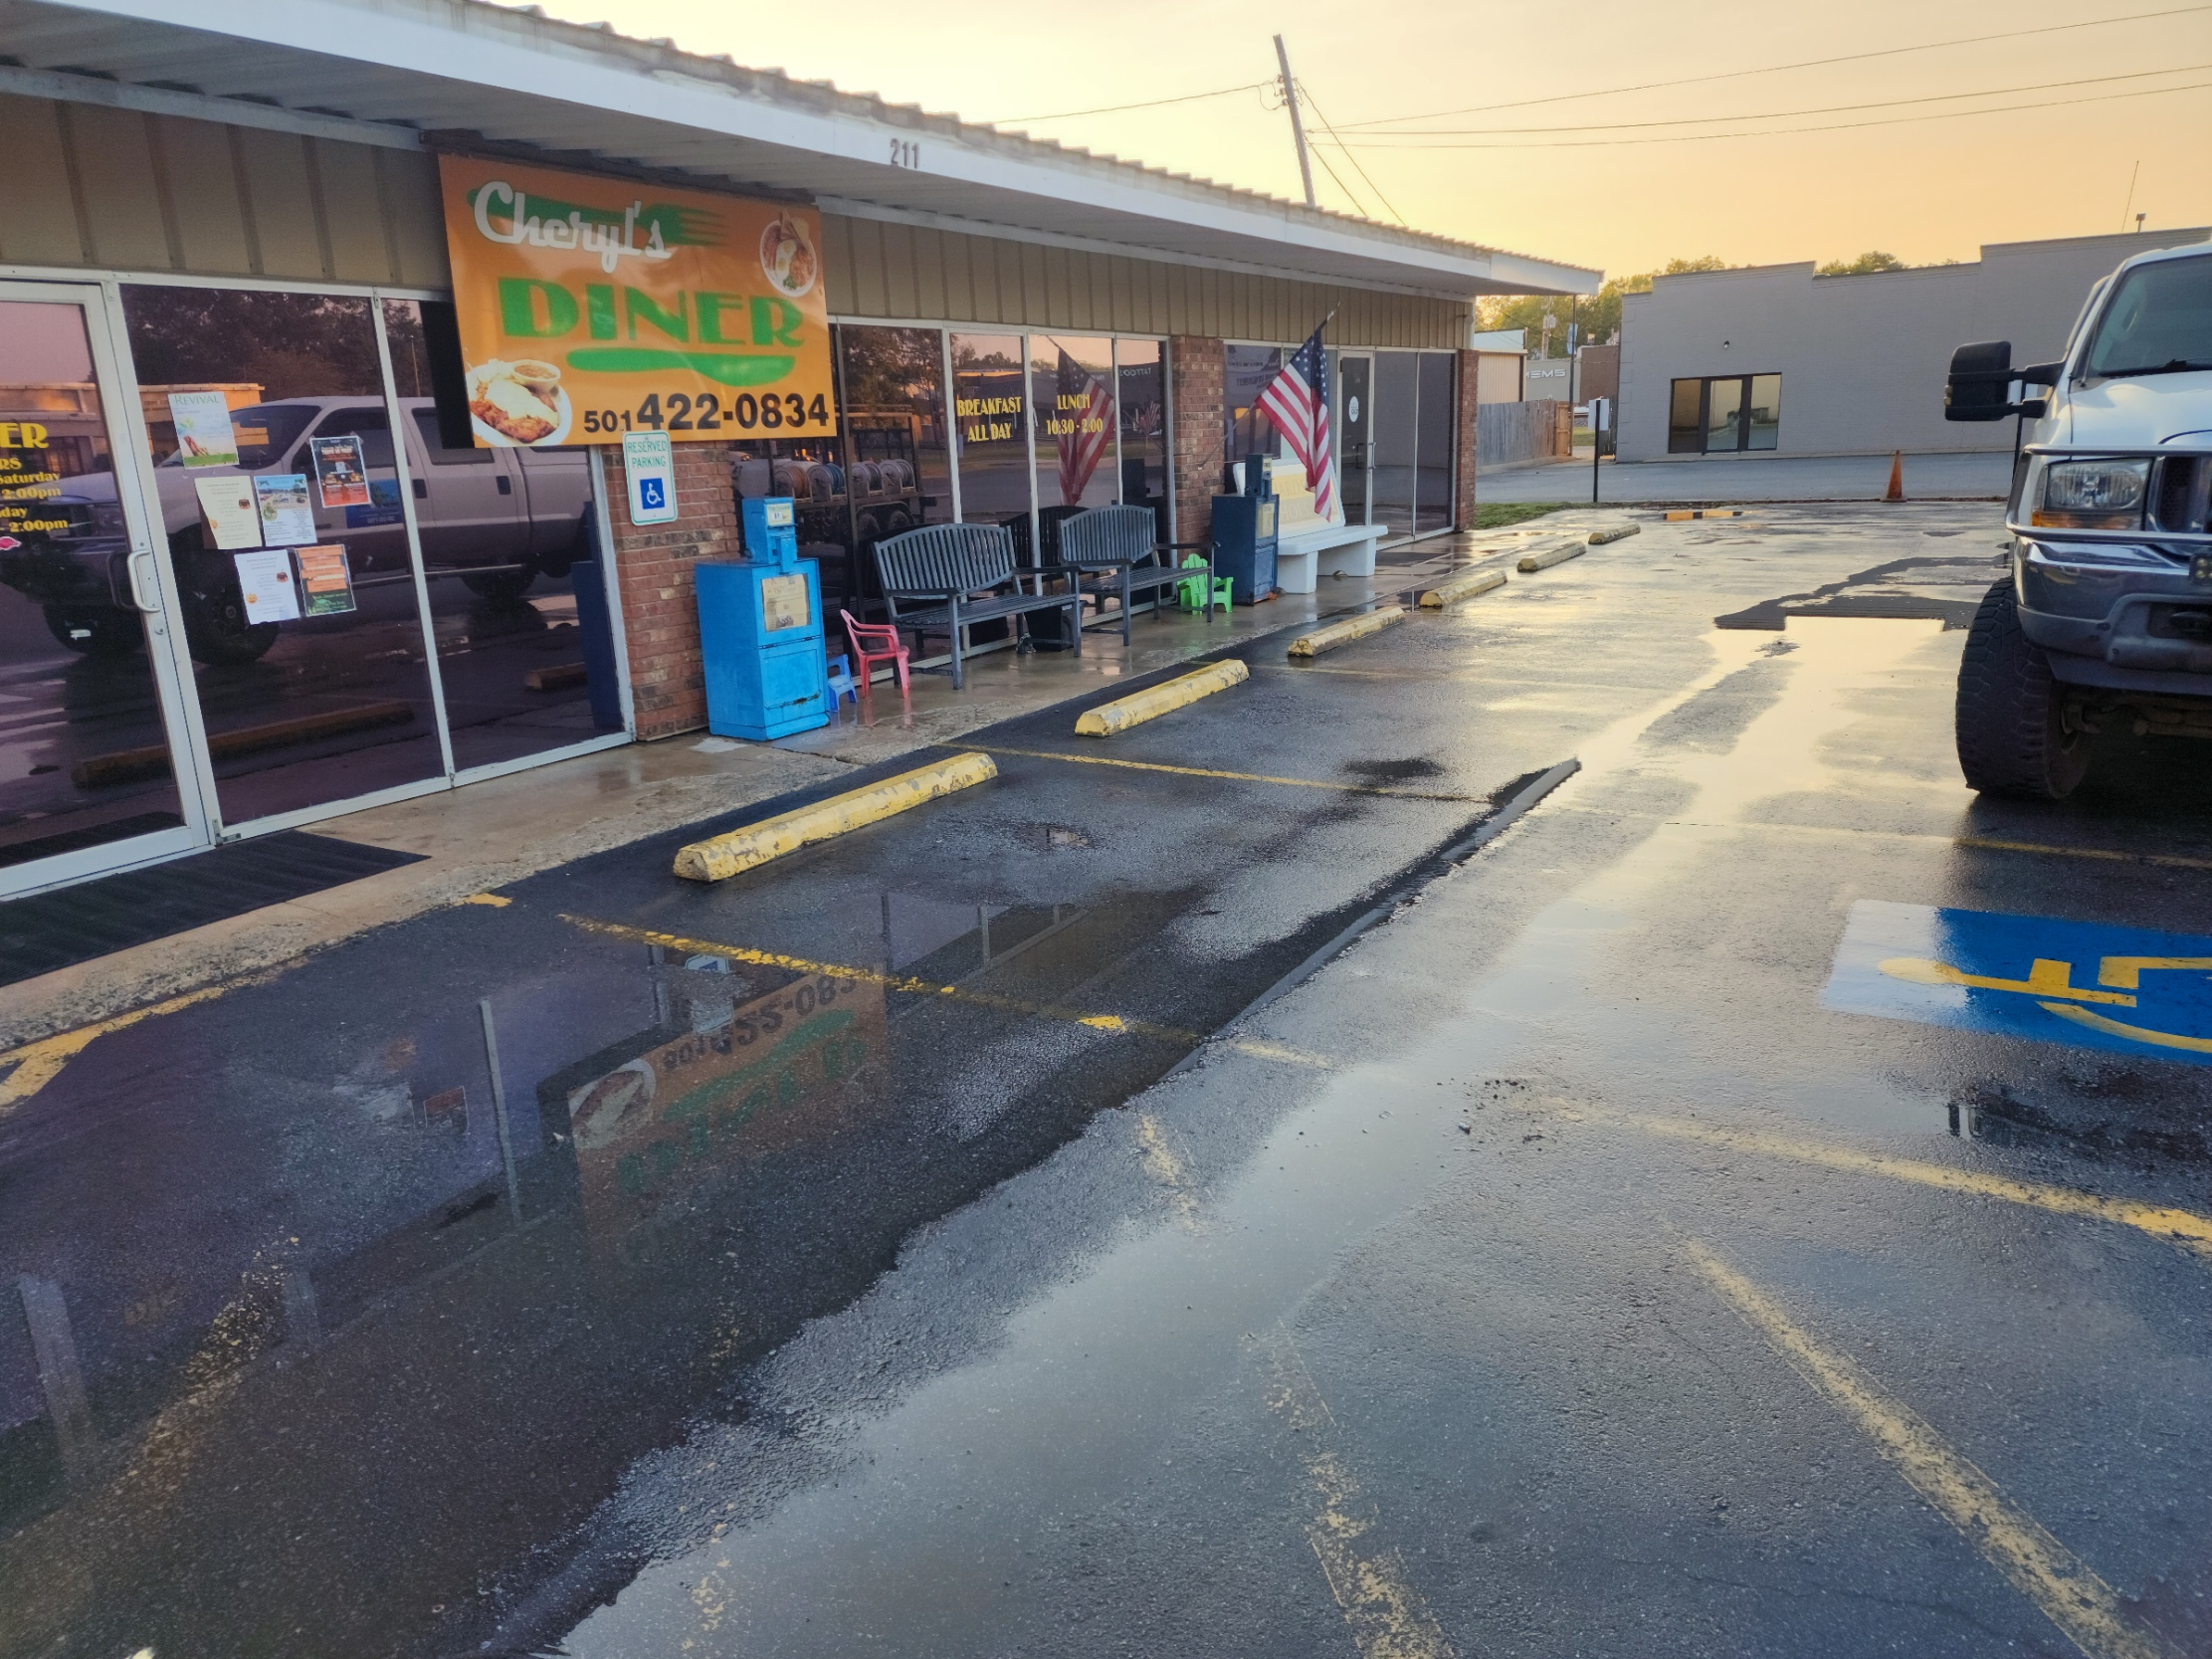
1924,190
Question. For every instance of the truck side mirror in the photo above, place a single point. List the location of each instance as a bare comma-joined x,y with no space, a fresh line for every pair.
1980,383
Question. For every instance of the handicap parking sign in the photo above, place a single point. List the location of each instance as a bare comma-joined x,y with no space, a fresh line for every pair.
653,495
2125,989
649,461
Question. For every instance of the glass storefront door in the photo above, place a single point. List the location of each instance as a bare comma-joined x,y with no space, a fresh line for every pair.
1355,429
1397,441
90,711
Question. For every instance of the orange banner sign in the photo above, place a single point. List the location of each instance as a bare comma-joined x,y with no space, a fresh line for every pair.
594,306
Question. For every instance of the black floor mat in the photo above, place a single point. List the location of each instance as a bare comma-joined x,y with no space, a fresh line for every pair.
76,923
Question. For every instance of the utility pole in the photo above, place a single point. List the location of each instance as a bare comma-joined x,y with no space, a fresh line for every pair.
1297,127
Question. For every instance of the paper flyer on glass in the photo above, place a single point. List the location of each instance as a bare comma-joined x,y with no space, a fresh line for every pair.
233,517
341,474
265,578
325,582
287,517
203,423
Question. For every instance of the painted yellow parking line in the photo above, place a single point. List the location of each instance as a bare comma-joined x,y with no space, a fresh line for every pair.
2187,1228
1233,777
1113,1024
719,857
2062,1585
1388,1617
1841,832
37,1062
1163,699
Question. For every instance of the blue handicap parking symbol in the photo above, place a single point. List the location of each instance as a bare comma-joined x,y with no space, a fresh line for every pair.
652,494
2121,988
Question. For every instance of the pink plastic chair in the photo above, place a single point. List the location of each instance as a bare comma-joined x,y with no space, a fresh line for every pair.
884,638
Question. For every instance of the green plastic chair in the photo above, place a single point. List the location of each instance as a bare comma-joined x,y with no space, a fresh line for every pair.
1191,595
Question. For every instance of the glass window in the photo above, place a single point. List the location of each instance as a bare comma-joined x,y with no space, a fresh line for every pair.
518,608
1432,500
1686,426
367,422
1142,399
1397,443
1723,412
1245,373
2159,318
990,407
1072,382
320,692
897,464
1766,412
81,726
1355,425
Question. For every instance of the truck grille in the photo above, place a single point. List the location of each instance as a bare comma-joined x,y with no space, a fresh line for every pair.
2181,497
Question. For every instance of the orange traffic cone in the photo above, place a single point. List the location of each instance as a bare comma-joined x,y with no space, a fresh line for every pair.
1896,477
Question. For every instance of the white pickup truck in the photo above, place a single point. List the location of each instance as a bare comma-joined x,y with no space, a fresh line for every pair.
2105,618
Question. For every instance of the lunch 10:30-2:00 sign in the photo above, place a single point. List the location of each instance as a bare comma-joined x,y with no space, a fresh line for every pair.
593,306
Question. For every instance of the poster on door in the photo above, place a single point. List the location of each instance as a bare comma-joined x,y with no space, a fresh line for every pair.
287,517
265,579
341,474
590,307
325,582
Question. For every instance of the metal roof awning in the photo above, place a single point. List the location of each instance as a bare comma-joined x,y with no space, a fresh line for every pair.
391,72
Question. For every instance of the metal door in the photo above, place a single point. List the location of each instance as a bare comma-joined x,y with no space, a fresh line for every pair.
97,736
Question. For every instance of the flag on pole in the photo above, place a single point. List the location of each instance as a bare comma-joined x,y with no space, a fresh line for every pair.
1083,424
1297,401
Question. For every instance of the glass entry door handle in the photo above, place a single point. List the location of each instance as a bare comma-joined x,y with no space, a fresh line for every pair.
145,586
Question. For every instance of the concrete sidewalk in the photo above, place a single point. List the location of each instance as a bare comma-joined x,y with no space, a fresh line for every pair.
496,832
1779,478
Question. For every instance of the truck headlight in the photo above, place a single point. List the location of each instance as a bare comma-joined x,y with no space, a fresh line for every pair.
2094,494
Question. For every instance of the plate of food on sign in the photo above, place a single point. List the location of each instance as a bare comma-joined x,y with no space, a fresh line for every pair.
521,402
788,256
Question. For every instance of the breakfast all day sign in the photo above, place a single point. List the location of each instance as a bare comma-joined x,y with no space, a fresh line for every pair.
594,306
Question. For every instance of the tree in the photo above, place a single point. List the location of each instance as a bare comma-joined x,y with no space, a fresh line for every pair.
1599,314
1866,265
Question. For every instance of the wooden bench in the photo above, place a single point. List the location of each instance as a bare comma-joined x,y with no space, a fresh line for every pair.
962,574
1113,547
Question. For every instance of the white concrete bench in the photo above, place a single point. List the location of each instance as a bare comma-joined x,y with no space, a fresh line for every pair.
1303,554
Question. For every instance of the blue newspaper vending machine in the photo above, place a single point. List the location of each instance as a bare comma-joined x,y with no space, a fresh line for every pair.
1243,534
761,629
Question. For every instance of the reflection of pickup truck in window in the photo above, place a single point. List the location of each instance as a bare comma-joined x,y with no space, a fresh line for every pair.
2106,618
495,518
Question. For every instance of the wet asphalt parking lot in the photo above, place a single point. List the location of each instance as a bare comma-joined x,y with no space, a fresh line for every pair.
921,1245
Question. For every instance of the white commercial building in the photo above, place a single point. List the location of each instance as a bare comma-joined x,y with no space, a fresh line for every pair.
1773,358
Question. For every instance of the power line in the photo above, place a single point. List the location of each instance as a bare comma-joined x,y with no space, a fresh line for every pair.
1348,157
1342,185
1790,131
1788,115
1117,108
1778,69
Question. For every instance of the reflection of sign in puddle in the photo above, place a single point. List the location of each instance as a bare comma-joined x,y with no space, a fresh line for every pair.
785,1069
2121,988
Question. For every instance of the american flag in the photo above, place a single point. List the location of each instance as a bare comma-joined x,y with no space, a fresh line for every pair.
1084,414
1297,401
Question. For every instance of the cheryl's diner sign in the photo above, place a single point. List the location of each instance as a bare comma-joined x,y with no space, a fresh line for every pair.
594,306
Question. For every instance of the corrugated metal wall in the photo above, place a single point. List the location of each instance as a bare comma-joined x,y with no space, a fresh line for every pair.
86,185
892,271
114,190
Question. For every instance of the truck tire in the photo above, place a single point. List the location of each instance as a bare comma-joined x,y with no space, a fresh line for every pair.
2012,735
500,587
216,633
96,630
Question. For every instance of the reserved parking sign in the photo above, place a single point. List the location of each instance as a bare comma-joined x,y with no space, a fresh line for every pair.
649,462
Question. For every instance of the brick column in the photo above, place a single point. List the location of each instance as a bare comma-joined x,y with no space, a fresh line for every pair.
1466,453
652,563
1194,376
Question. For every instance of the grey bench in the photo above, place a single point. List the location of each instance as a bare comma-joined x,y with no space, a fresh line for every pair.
959,576
1112,547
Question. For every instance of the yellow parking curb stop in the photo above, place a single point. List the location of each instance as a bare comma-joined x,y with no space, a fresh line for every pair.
1613,532
1548,557
1344,632
1466,585
1680,515
722,856
1154,700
